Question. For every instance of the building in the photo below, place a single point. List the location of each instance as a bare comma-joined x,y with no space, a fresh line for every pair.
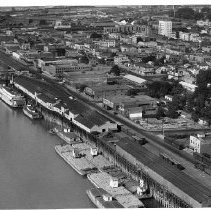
135,80
201,143
143,30
165,28
100,91
56,69
188,86
132,107
92,121
106,43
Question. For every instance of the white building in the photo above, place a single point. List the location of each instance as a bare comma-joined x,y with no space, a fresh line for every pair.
188,86
201,143
165,28
184,36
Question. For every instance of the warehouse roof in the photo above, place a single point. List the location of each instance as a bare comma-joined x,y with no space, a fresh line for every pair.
135,79
92,118
178,178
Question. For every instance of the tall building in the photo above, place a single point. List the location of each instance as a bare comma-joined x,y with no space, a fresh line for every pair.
165,28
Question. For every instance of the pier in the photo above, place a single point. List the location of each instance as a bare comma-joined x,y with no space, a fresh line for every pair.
168,185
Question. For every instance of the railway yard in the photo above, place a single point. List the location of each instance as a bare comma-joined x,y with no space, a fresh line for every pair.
169,183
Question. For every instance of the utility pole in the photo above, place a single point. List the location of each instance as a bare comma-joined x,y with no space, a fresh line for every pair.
163,127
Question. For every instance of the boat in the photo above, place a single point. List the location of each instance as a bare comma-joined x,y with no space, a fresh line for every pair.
120,193
75,159
11,97
52,131
102,199
70,162
30,111
67,135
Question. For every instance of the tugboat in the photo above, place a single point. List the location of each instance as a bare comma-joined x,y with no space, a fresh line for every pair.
31,111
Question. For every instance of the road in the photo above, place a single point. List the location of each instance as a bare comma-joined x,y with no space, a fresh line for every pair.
64,92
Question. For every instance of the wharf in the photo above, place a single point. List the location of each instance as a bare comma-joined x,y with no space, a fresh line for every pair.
122,195
81,165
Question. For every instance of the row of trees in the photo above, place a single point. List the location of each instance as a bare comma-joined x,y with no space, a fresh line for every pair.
158,89
189,13
197,103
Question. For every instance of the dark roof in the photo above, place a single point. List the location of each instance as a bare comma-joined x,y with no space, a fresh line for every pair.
91,118
46,98
178,178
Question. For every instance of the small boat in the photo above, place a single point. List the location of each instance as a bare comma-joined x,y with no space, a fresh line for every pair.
31,111
52,131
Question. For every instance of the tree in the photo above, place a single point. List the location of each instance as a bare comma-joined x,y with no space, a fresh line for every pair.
185,12
177,89
159,89
84,59
172,110
189,103
115,70
95,35
160,113
205,10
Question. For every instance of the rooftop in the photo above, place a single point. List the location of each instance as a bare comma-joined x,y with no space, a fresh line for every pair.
177,178
135,79
141,99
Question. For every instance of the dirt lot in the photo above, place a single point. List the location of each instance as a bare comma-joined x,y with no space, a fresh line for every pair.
97,75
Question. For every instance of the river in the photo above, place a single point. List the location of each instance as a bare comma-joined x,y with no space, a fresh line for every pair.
32,175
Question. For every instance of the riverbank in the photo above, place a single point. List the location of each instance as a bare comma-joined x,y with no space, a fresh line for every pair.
32,175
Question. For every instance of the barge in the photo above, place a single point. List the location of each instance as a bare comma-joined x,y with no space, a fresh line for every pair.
120,193
102,199
75,159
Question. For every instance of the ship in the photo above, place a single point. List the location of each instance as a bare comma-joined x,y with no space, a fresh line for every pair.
30,111
11,97
102,199
75,159
67,135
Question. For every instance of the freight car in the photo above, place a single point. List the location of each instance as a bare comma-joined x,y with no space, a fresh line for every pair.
173,143
171,161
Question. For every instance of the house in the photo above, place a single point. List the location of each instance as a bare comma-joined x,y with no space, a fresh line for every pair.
143,69
169,98
120,58
106,43
201,143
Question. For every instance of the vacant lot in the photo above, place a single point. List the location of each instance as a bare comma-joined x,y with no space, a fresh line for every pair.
97,75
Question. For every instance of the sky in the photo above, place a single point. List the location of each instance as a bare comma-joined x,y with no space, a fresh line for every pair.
9,3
